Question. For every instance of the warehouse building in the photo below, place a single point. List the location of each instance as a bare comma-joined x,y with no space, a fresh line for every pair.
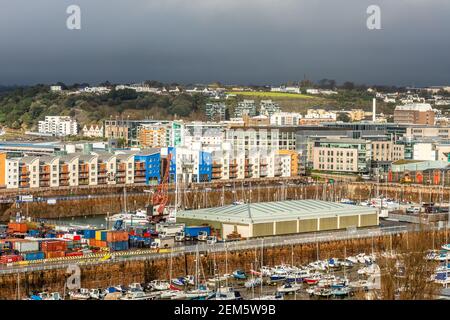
280,218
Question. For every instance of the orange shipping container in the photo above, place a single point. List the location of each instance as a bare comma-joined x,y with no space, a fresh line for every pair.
48,246
117,236
18,227
55,254
98,243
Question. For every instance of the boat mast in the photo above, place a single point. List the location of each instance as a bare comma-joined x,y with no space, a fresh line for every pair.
124,199
226,265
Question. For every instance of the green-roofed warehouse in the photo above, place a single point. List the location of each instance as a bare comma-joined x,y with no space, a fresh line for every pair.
280,218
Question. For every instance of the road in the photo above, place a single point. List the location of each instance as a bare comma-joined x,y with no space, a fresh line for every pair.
218,247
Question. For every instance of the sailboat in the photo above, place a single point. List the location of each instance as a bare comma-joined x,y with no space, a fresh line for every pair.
138,217
201,291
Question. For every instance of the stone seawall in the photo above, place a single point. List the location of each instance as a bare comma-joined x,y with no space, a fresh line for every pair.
127,272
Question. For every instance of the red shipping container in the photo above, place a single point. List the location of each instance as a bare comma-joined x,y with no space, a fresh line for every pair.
10,259
77,238
74,254
47,246
147,235
55,254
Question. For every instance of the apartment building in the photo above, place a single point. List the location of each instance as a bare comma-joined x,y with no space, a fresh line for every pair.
268,108
386,151
285,119
344,155
215,111
129,130
228,165
204,136
264,139
58,126
154,135
419,132
415,113
245,107
189,165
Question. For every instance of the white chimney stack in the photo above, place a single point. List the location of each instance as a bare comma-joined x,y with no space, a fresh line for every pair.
374,110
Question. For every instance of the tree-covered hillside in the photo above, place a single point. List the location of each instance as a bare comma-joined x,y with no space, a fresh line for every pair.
23,107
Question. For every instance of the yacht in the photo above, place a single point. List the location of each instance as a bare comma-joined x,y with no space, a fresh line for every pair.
138,217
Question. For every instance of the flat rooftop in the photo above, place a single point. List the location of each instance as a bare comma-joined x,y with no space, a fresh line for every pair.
275,211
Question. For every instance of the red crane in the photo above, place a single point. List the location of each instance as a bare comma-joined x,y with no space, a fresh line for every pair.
161,196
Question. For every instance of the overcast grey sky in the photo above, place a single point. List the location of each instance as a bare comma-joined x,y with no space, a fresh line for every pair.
232,41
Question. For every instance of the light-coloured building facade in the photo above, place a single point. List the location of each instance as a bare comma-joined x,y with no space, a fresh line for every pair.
58,126
342,155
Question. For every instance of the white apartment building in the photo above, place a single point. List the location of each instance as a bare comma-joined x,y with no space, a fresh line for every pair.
208,137
58,126
285,119
268,108
320,114
55,88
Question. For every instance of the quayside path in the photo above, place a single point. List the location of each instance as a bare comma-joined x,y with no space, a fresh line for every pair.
268,242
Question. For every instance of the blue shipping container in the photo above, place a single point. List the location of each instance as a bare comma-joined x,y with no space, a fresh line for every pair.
118,246
89,234
33,233
34,256
50,235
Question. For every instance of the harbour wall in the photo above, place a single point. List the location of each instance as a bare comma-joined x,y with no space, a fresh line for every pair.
126,272
109,199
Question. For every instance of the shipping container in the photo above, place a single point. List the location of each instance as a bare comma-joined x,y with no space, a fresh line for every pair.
34,256
116,236
118,246
53,245
98,243
55,254
33,233
74,254
10,259
26,246
18,227
50,235
100,235
89,234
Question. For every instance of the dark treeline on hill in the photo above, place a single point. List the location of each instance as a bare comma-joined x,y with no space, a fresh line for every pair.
23,107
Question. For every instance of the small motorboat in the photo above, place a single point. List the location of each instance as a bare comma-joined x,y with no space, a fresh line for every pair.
197,294
276,296
313,279
226,293
340,291
253,283
266,271
159,285
239,274
322,292
169,294
138,295
47,296
81,294
289,288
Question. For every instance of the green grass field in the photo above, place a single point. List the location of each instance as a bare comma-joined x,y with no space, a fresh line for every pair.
272,95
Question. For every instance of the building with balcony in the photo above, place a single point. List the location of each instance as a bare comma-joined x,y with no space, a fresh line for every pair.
58,126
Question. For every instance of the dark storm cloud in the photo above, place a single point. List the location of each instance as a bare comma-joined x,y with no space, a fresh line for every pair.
233,41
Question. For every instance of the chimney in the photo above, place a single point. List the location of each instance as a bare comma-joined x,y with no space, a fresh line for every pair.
374,110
